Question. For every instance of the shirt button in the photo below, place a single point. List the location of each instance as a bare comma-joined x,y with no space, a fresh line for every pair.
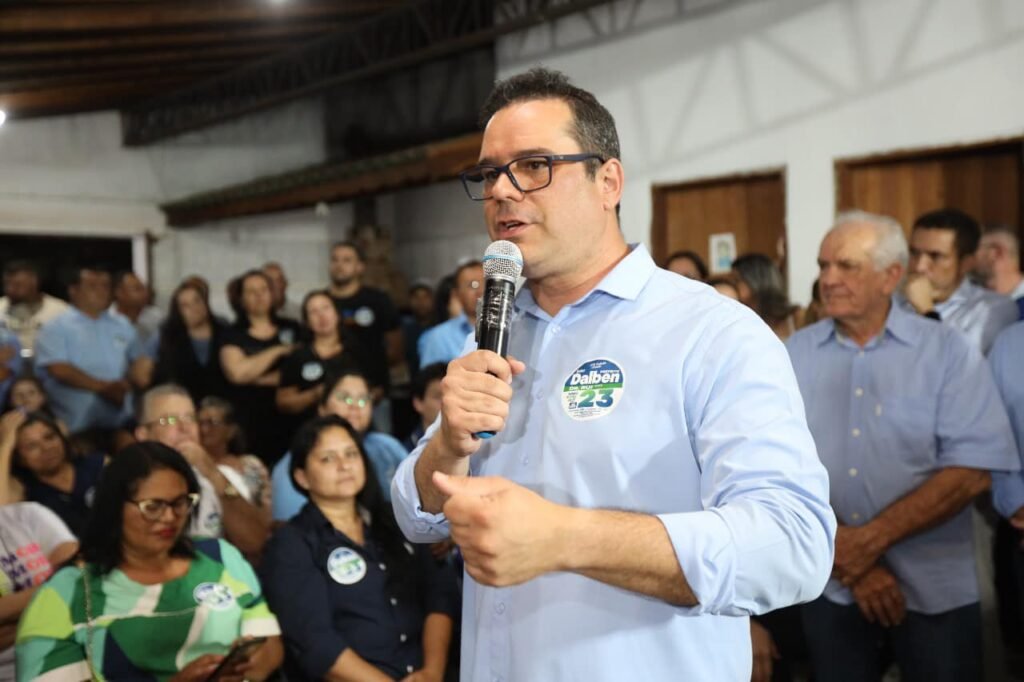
855,516
858,392
856,433
394,602
409,669
538,395
402,637
860,354
853,472
555,329
499,608
383,566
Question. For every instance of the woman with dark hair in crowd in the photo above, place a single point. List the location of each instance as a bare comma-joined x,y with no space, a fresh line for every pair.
761,287
187,350
355,601
34,447
725,285
687,264
347,395
147,603
328,349
28,395
221,437
251,356
446,303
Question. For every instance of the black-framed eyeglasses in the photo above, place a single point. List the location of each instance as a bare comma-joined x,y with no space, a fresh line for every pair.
527,173
153,509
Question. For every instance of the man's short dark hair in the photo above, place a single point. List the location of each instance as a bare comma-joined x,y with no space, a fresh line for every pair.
73,275
966,230
593,126
426,376
118,277
21,265
421,286
349,244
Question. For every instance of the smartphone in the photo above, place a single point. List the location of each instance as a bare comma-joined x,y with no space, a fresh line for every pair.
238,652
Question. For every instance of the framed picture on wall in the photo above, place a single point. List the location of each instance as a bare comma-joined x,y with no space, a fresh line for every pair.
722,252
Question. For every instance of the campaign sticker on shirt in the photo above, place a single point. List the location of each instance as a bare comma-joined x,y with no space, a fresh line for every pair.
215,595
364,316
592,390
345,566
311,371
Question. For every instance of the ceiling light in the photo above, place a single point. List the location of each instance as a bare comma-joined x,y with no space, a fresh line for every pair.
3,116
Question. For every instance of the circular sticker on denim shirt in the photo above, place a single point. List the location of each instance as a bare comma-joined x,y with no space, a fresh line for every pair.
345,566
593,389
215,595
311,371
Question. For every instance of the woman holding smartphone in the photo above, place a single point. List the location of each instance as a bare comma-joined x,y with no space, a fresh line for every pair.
146,602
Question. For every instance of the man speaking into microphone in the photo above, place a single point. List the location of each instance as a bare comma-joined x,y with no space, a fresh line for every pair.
651,481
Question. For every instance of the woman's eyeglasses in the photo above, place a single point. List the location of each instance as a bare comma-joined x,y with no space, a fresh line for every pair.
153,509
359,401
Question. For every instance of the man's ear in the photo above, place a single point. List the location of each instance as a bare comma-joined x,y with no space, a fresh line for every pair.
613,179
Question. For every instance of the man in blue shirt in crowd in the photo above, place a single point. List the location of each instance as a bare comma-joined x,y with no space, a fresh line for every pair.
942,252
83,356
1008,489
908,422
444,342
652,481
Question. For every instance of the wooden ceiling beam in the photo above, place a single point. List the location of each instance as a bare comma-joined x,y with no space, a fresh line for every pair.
27,70
14,48
34,18
98,77
83,97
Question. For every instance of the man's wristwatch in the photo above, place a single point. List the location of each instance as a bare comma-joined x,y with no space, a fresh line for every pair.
231,491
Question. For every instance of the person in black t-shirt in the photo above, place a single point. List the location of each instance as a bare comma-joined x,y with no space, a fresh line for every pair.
330,348
45,467
251,355
368,313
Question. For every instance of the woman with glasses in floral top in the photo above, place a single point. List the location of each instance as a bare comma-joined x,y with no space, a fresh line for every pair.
347,395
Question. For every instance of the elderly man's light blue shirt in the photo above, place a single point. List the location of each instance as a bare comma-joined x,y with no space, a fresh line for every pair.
978,313
653,394
1007,361
99,347
915,399
444,342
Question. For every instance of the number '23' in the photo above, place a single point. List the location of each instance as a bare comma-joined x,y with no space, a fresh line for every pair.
605,399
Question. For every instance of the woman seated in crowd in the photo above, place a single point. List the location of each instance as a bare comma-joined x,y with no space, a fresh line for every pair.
147,603
761,287
221,437
347,396
725,285
251,356
28,395
329,349
688,264
186,352
355,601
33,543
46,469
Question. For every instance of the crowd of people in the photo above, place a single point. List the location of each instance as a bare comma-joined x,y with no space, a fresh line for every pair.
183,495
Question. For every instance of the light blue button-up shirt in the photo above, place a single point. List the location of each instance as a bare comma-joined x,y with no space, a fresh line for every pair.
444,342
98,347
653,394
915,399
1007,360
978,313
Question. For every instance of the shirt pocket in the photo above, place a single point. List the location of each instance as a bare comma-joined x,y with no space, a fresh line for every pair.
906,429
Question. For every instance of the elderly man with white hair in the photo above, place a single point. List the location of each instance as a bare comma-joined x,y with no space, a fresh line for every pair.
909,424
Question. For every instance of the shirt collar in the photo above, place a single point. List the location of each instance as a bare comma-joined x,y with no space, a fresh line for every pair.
959,296
899,325
625,281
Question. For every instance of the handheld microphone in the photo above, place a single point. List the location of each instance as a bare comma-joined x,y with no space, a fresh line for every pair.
503,263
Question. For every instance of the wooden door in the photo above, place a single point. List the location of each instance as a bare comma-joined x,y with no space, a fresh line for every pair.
751,207
981,180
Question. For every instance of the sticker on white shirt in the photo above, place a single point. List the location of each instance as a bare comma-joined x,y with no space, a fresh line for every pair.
593,389
311,371
215,595
364,316
345,566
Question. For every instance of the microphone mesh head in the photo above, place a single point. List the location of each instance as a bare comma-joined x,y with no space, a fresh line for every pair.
503,259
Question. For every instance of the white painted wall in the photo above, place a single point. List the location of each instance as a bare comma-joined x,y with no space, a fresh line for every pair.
731,86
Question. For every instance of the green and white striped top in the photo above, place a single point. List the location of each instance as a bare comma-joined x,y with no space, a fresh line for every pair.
141,632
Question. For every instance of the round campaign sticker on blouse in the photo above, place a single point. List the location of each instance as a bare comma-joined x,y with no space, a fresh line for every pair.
364,316
345,566
593,389
311,371
215,595
286,336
